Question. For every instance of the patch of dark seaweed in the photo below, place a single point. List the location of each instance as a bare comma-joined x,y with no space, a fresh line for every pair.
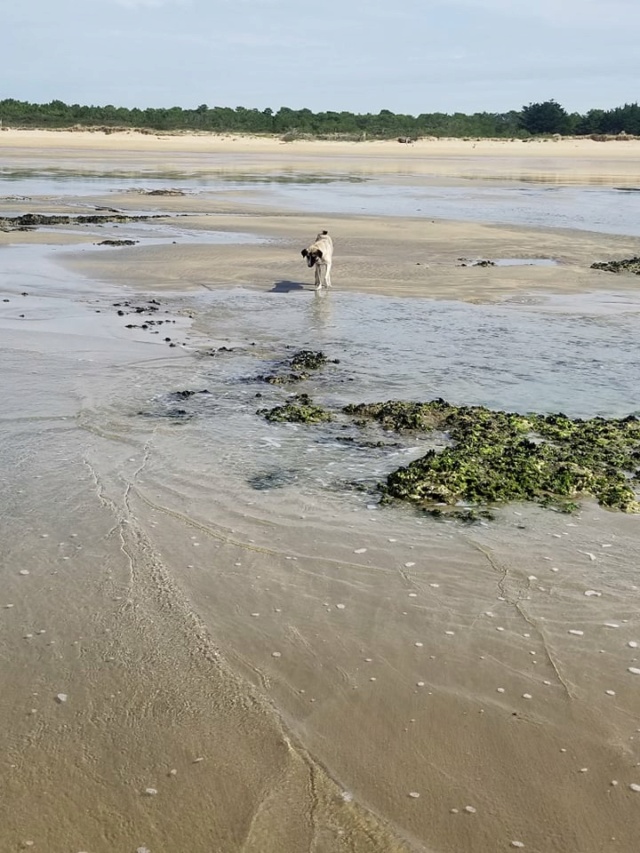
298,368
631,265
365,444
34,220
498,457
276,479
167,192
184,395
300,409
306,359
117,243
177,415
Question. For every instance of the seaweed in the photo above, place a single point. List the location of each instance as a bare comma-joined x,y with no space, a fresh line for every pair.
497,457
627,265
34,220
298,367
300,409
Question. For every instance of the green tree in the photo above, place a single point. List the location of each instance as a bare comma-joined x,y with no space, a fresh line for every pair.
547,117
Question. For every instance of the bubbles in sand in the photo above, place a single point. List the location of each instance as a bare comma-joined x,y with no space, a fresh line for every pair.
413,595
634,787
341,606
610,692
61,698
150,792
360,551
276,654
414,795
499,689
592,593
517,844
632,644
24,572
527,696
470,809
418,645
409,565
634,670
611,625
575,632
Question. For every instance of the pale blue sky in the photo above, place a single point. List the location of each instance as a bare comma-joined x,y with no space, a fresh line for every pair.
408,56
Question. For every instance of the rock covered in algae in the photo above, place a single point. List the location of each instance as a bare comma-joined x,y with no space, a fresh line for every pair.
300,409
495,457
627,265
298,368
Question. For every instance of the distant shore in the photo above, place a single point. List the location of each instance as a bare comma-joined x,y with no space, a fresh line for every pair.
565,159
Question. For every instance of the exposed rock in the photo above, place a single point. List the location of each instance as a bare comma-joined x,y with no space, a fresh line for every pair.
631,265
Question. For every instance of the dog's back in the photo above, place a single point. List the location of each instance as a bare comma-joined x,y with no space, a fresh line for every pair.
325,243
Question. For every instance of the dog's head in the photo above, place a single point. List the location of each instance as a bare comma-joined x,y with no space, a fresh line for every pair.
312,256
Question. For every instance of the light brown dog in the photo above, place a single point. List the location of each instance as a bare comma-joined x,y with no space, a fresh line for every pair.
320,256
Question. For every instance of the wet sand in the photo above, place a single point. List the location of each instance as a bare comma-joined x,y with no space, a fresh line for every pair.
283,669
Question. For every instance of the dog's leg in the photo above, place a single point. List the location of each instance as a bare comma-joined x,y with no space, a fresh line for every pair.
318,277
327,275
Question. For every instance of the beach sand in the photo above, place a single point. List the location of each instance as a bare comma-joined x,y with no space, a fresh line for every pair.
193,665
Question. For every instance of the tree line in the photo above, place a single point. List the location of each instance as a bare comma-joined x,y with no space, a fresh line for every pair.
548,117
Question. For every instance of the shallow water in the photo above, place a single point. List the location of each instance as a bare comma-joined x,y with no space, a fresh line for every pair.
606,210
583,208
525,262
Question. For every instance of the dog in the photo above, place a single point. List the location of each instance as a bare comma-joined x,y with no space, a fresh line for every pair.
320,255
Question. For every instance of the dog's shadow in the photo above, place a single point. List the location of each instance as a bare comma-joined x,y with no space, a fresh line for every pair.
287,286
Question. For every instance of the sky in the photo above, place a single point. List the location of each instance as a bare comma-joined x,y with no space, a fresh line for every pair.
407,56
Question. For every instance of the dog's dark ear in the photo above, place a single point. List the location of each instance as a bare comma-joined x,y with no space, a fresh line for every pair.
325,232
319,253
304,253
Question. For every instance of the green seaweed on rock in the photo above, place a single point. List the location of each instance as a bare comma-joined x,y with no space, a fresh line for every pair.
497,457
299,410
298,368
631,265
